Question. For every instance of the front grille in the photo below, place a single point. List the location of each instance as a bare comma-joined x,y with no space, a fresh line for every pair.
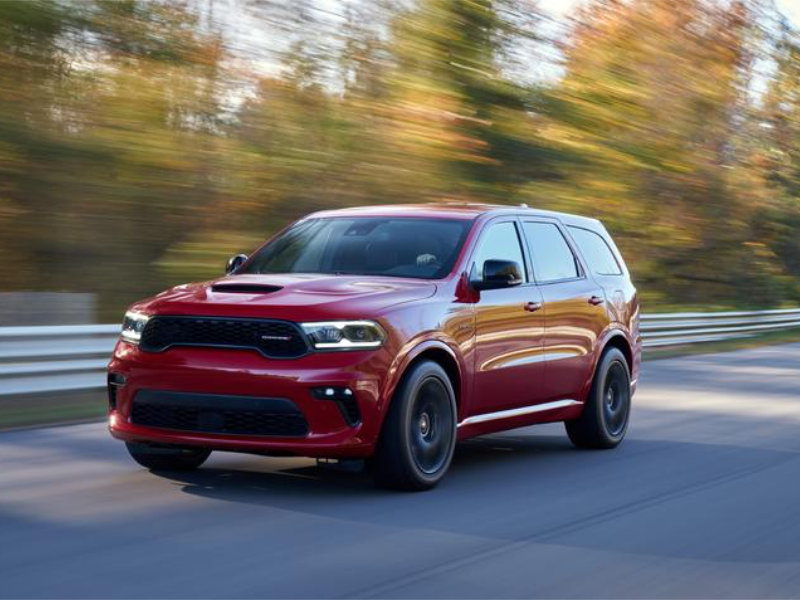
274,339
236,415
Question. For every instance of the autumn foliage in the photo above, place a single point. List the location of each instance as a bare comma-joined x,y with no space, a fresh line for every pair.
143,142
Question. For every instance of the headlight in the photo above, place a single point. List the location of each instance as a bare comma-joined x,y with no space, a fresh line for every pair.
132,326
344,335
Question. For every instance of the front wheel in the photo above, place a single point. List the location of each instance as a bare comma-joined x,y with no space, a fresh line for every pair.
605,417
167,458
419,434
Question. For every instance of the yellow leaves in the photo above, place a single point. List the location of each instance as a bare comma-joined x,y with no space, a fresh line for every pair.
147,146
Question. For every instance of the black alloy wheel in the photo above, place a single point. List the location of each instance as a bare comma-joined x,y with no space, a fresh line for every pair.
605,416
419,435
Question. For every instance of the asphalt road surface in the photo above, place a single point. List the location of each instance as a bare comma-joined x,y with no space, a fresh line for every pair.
702,500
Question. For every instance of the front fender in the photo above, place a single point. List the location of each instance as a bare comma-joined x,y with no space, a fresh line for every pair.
413,350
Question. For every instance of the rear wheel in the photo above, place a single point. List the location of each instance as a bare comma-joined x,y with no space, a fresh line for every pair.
167,458
419,435
605,417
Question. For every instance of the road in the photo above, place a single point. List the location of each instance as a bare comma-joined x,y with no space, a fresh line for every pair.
702,500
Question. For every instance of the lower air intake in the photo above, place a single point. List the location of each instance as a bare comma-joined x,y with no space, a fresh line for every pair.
207,413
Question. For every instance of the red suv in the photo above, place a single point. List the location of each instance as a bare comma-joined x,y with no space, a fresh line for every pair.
385,333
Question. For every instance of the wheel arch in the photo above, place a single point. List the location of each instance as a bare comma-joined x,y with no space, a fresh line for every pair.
612,338
619,341
445,360
434,350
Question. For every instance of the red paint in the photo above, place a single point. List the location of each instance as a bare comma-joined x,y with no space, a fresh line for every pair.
504,353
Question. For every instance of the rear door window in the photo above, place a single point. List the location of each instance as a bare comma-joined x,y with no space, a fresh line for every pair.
553,259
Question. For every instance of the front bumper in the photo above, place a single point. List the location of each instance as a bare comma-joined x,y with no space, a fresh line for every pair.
246,373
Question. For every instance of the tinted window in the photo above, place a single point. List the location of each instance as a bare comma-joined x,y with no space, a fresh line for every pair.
499,242
395,247
552,256
595,250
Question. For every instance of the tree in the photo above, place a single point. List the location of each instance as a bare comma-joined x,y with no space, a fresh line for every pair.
654,95
459,126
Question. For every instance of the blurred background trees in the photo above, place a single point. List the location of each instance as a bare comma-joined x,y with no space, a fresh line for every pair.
143,142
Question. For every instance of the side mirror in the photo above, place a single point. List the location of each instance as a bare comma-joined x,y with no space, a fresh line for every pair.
498,274
234,262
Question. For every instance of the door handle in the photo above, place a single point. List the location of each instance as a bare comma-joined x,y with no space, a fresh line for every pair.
533,306
596,300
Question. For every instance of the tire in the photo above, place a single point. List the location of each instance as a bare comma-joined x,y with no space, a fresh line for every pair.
604,420
167,458
419,434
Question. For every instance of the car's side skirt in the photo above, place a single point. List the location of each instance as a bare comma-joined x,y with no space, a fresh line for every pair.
518,412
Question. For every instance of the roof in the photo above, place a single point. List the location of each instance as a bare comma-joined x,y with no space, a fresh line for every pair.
452,210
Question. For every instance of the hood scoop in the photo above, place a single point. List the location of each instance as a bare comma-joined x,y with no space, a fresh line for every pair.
245,288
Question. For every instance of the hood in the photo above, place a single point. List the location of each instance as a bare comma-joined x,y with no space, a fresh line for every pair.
291,297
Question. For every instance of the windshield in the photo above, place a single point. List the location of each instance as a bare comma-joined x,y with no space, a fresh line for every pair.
393,247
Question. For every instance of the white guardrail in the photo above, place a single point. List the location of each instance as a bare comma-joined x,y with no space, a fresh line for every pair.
74,357
55,357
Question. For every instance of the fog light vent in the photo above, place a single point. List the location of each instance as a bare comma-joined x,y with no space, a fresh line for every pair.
115,380
345,400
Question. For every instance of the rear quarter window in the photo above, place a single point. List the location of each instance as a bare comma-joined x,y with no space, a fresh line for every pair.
596,251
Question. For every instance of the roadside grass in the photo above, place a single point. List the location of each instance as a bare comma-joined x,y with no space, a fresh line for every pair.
19,411
56,408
